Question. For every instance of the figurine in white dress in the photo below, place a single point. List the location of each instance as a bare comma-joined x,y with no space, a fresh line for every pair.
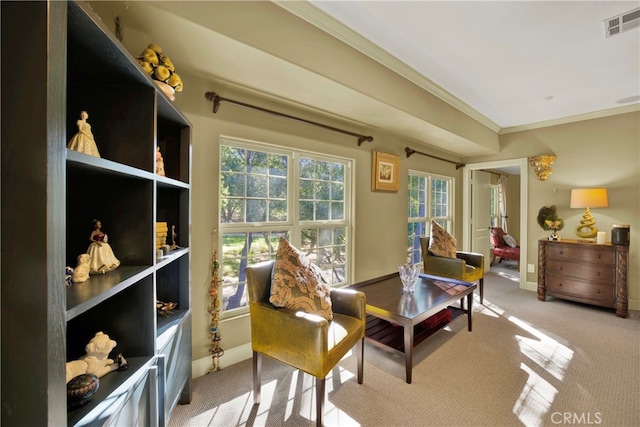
103,259
83,141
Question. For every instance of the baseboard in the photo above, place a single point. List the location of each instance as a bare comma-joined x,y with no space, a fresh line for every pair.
230,357
532,286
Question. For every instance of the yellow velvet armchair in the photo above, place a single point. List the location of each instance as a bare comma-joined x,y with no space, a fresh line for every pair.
304,341
467,266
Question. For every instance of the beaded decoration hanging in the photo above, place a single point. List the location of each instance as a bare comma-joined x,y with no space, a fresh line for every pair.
214,310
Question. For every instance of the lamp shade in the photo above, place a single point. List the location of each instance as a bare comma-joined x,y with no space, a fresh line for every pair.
589,198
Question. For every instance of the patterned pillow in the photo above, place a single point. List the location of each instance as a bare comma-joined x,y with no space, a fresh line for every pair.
441,243
510,240
298,283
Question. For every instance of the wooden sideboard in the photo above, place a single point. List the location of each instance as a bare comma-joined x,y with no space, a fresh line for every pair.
584,272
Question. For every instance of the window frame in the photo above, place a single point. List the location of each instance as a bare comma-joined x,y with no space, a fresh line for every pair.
293,226
414,251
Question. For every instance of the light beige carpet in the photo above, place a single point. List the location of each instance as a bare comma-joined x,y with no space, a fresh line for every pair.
526,363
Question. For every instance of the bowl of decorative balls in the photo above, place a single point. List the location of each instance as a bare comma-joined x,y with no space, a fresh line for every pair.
158,65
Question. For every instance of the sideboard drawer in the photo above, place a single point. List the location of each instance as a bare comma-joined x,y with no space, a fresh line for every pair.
594,291
575,252
583,271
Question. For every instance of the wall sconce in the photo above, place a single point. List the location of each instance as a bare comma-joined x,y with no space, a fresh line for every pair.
588,198
542,165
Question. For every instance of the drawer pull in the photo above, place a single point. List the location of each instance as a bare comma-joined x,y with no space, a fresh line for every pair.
598,256
559,285
597,273
597,291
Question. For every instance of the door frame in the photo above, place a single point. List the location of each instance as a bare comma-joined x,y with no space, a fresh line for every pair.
524,197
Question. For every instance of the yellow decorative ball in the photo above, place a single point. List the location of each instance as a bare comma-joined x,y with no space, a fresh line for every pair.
162,73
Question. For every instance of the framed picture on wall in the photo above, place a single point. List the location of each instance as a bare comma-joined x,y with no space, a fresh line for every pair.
385,172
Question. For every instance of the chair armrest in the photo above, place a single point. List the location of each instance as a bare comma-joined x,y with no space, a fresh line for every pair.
472,258
441,266
349,302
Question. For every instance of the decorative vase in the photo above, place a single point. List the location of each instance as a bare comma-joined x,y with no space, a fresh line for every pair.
168,90
409,275
554,236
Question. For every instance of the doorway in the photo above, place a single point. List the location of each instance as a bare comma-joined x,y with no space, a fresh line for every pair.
467,194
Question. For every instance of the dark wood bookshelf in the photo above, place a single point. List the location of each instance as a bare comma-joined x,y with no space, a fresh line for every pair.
50,194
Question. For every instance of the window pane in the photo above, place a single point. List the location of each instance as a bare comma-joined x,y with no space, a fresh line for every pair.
232,159
327,248
278,165
306,211
256,162
337,172
307,168
277,188
239,250
322,191
256,186
306,189
231,210
323,170
337,210
337,191
232,184
256,210
278,211
322,211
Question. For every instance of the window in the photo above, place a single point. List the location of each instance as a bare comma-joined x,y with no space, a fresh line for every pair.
430,197
267,192
494,206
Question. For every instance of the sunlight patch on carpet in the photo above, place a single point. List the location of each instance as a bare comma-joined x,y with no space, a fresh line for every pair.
535,400
545,351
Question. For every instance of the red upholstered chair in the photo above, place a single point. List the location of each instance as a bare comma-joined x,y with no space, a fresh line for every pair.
500,247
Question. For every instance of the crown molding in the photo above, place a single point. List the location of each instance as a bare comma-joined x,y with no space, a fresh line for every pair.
571,119
316,17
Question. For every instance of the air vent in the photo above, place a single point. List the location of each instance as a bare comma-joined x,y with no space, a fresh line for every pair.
621,23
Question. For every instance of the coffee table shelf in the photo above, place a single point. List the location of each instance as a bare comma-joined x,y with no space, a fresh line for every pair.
381,333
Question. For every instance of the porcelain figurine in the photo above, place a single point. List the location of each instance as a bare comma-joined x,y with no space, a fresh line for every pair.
83,141
103,259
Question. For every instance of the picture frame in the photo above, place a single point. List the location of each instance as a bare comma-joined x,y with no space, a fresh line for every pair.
385,172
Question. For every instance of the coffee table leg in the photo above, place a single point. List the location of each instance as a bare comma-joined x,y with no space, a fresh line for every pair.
408,350
470,309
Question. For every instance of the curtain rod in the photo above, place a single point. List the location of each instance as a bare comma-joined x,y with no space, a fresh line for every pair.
217,99
411,151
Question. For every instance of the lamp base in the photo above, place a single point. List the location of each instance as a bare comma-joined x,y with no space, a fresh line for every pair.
587,228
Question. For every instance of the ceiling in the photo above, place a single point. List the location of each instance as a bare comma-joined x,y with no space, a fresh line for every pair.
515,62
510,65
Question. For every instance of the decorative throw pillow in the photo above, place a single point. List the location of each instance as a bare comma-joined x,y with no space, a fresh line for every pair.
441,243
299,284
510,240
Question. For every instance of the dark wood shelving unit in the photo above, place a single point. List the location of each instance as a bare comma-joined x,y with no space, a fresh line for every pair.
50,195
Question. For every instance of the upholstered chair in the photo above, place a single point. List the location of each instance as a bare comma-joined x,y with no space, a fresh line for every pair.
307,342
500,247
467,266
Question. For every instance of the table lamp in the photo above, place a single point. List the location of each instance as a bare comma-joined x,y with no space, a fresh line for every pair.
588,198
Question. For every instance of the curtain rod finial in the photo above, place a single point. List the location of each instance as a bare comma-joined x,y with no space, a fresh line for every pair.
363,138
212,96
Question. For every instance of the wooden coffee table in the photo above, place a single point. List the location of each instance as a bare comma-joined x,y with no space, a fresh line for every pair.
387,303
